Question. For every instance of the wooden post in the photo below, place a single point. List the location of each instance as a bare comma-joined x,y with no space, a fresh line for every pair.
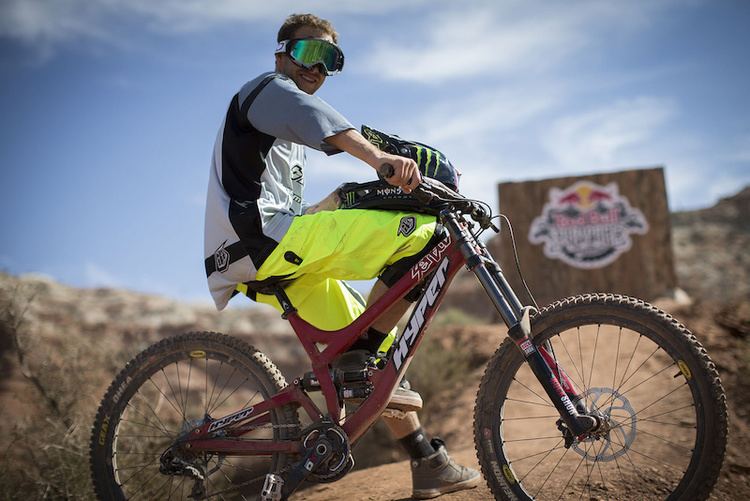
598,233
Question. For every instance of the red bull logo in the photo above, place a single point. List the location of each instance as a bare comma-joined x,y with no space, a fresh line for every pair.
587,225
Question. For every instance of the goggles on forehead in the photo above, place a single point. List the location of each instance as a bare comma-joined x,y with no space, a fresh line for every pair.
309,52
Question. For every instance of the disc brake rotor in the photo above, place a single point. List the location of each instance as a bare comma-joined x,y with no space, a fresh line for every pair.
618,430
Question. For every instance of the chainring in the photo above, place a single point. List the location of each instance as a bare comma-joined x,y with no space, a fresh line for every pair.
341,461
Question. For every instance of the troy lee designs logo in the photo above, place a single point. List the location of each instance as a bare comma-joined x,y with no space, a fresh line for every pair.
587,225
418,317
419,270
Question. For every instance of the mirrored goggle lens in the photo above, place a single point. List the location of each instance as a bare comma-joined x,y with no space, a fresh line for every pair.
309,52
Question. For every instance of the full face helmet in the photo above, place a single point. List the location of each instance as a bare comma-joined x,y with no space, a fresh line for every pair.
381,195
432,163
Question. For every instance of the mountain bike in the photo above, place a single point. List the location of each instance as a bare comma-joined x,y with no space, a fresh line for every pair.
599,396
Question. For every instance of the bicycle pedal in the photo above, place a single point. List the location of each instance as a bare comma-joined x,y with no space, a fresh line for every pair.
272,488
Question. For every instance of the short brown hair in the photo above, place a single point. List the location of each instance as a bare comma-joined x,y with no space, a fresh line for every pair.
296,21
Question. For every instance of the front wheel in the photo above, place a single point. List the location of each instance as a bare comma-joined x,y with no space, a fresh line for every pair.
641,371
169,389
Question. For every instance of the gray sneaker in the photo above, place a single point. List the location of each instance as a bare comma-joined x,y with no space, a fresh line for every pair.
403,398
438,474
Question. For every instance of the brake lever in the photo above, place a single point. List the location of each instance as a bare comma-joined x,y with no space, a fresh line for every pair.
485,221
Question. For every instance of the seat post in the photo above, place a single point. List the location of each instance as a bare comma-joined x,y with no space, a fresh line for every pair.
284,301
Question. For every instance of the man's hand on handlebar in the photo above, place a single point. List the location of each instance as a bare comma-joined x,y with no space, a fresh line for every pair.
405,172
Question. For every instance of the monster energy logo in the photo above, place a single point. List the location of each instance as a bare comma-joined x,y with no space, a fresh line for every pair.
372,137
428,153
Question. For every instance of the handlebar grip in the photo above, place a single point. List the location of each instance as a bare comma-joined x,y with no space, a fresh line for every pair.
420,193
386,170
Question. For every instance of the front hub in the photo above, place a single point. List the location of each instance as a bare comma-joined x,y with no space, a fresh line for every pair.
617,428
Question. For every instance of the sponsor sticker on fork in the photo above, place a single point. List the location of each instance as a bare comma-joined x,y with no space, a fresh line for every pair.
527,346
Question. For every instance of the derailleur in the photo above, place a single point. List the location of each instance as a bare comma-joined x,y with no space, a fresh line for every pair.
173,465
169,464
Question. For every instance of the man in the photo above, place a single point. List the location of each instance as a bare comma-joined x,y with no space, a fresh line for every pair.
259,228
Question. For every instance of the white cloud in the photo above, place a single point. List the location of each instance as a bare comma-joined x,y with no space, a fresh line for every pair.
96,276
48,23
741,150
727,183
197,200
453,44
603,136
488,111
6,262
323,173
690,186
336,166
479,133
499,38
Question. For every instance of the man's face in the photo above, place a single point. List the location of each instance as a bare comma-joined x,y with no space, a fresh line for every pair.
307,80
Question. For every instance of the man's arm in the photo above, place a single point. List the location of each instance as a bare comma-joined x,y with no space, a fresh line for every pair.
406,172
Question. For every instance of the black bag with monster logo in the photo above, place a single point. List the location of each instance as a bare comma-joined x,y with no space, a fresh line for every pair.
381,195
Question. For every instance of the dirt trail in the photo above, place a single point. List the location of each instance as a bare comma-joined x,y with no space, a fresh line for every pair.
388,482
75,346
453,418
601,359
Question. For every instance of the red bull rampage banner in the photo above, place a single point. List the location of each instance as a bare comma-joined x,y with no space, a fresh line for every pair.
587,225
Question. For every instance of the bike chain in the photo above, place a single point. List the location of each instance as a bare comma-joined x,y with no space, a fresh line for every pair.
262,477
247,482
280,472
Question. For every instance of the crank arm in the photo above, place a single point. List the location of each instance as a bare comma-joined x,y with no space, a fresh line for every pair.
321,451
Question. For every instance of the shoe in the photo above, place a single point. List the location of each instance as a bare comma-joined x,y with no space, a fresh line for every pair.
438,474
403,398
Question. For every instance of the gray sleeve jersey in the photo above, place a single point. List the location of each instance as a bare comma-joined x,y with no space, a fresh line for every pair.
284,111
257,176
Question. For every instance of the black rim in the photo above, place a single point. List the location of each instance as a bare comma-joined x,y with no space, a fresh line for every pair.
637,384
166,400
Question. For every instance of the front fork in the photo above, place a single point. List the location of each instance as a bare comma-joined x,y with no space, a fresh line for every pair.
565,397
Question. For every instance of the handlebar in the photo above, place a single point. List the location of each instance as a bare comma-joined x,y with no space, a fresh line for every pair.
431,189
423,196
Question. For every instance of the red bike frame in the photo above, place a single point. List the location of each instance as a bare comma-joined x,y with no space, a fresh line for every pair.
441,264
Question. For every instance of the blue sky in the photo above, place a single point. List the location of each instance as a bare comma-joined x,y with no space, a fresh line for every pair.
110,109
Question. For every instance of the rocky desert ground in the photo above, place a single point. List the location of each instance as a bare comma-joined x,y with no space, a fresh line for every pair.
60,347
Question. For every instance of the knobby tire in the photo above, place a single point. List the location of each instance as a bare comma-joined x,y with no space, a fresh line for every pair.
635,364
170,388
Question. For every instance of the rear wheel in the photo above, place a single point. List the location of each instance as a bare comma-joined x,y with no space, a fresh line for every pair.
174,386
647,377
